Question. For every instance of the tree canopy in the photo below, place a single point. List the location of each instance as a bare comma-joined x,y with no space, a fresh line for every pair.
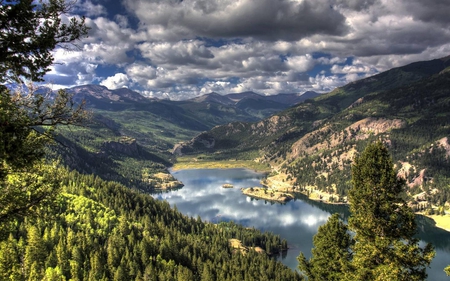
331,254
384,225
383,246
29,31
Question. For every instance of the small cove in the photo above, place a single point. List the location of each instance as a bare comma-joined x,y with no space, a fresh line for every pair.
296,221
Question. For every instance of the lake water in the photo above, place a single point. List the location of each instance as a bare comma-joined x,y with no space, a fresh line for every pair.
296,221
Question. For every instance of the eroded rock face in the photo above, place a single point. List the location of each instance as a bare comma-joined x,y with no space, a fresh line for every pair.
444,144
124,146
324,138
271,125
376,126
201,141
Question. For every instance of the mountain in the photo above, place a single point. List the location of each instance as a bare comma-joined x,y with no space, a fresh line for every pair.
131,135
101,93
313,143
215,98
293,98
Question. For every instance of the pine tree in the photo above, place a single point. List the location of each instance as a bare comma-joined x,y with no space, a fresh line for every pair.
331,253
384,225
35,251
29,31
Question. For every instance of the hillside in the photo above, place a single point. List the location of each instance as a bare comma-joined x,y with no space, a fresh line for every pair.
314,142
130,136
100,230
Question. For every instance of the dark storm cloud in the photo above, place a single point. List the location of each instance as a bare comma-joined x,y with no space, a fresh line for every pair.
356,5
263,19
181,49
437,11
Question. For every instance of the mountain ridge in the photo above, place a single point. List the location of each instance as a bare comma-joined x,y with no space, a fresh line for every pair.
314,142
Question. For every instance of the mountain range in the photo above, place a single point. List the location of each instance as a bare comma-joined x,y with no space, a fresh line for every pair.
130,135
312,144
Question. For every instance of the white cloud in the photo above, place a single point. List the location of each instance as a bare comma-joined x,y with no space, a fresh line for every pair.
184,48
119,80
89,9
141,73
301,63
352,69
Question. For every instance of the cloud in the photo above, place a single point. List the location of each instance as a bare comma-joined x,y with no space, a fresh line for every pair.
119,80
90,9
180,49
264,19
183,52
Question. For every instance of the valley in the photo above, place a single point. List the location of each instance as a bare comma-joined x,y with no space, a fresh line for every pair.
304,149
223,140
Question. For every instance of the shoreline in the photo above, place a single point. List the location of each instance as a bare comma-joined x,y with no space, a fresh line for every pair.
267,194
278,183
195,163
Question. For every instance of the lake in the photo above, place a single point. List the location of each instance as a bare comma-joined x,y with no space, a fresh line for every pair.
296,221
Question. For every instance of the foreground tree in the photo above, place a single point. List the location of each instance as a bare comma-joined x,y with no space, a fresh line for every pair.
383,246
29,31
384,225
331,253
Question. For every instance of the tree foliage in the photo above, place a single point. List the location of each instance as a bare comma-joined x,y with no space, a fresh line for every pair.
29,31
331,254
105,231
26,126
384,225
383,246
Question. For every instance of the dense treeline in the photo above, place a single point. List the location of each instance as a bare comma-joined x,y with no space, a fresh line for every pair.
104,231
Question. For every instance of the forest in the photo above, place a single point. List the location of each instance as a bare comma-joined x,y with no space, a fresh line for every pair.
102,230
59,224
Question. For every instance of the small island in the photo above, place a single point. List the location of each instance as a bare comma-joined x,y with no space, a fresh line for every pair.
227,185
163,181
267,194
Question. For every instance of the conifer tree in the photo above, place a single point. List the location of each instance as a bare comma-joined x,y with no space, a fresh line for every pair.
384,225
383,247
29,31
331,253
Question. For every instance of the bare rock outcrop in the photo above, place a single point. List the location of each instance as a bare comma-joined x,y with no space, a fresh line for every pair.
125,145
201,141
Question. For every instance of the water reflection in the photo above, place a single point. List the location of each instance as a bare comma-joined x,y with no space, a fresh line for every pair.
296,221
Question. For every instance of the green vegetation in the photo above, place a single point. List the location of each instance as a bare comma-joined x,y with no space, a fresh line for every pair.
314,143
105,231
57,224
331,254
189,162
29,32
383,247
28,119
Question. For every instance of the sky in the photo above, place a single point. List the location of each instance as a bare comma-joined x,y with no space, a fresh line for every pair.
179,49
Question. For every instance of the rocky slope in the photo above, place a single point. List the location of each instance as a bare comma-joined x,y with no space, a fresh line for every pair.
314,143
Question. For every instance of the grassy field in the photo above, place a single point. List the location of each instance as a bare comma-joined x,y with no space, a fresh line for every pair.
441,221
194,163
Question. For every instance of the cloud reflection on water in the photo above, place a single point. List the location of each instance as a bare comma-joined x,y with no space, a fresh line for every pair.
296,221
203,195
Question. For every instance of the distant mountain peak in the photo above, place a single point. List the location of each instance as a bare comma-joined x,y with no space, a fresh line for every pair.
213,97
102,92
